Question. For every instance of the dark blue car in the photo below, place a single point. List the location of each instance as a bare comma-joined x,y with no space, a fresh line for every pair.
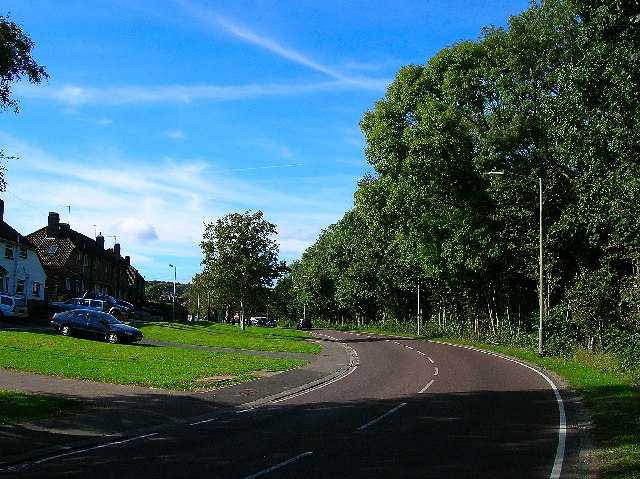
96,324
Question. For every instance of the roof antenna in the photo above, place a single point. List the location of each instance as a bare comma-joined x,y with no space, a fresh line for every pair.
68,213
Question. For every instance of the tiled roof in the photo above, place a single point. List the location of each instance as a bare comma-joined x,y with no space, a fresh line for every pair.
68,241
7,233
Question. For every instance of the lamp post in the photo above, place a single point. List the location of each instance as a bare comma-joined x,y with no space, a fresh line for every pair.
174,293
540,264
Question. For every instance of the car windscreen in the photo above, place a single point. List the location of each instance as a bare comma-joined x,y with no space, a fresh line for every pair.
105,318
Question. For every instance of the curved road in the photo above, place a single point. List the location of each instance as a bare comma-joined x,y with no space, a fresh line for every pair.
408,408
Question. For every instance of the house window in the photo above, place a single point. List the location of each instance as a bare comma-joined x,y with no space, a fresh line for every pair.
96,264
20,286
23,252
78,286
36,289
86,260
67,284
8,252
106,267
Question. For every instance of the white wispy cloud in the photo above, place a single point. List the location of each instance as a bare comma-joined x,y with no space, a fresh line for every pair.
175,134
154,209
79,95
215,19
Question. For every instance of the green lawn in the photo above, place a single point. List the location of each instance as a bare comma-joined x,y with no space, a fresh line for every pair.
165,367
16,407
138,364
204,333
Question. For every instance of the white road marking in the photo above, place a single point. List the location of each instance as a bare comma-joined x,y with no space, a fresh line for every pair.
427,386
203,421
562,427
278,466
370,423
78,451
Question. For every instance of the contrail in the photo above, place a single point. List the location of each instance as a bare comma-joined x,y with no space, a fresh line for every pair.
258,168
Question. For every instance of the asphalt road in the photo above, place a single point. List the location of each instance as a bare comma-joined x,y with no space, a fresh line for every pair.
407,408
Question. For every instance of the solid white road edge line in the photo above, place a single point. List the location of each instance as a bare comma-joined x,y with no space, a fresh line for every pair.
562,428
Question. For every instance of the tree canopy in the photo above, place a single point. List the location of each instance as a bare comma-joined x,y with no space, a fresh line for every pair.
555,96
240,260
15,62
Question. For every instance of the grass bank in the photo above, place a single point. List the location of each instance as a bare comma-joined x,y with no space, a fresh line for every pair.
16,407
205,333
144,365
165,367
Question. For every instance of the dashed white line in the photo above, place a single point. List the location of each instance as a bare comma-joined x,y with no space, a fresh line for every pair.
203,421
388,413
78,451
427,386
278,466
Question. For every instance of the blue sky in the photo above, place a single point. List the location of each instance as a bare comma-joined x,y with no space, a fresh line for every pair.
162,116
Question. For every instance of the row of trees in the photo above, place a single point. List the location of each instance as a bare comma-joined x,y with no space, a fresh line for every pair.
555,97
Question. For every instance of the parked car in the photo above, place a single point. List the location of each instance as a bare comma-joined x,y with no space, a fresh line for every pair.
272,323
13,307
126,307
111,307
69,304
85,322
304,324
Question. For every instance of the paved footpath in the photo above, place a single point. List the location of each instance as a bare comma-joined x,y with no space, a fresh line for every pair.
115,412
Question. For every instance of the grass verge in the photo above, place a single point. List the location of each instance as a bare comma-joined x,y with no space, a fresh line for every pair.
16,407
145,365
205,333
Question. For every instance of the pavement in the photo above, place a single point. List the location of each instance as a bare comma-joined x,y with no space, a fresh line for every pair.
114,413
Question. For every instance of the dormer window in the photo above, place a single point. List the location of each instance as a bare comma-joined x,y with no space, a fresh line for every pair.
53,249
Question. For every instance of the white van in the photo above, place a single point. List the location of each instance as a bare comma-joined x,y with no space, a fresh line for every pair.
11,306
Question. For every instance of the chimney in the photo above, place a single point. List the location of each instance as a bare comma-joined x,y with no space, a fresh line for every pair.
116,249
53,225
127,260
100,241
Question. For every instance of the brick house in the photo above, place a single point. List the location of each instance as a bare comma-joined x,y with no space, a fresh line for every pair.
75,263
21,272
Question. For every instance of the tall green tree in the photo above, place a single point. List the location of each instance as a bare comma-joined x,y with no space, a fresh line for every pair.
15,62
240,259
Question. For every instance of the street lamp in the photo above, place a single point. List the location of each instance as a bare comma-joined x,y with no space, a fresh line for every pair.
540,267
174,292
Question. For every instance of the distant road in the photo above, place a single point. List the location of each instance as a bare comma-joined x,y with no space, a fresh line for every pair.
408,408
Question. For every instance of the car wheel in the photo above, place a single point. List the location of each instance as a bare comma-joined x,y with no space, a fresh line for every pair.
65,330
112,338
